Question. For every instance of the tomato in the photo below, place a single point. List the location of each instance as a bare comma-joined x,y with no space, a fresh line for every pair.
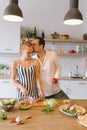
54,80
38,101
20,123
25,103
70,105
13,120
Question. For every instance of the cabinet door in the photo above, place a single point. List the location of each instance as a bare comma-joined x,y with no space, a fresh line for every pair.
9,37
64,85
78,89
75,89
7,90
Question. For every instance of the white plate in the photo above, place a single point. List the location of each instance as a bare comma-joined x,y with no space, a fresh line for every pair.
83,120
79,110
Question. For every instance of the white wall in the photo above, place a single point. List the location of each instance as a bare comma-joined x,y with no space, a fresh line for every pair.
48,15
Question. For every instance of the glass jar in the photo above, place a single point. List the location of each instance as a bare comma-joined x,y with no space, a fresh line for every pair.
82,49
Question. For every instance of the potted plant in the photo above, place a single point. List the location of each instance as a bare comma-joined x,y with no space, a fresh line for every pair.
85,36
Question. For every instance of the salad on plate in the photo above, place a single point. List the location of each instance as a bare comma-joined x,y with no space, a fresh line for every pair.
72,109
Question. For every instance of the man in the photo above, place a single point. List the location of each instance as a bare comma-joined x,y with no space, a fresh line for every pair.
50,70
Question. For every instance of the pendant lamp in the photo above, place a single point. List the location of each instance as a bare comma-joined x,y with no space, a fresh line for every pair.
12,12
73,16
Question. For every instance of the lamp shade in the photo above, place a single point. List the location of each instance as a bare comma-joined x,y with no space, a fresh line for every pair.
13,12
73,16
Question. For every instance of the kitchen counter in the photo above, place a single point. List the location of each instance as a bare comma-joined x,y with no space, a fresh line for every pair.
41,121
62,78
73,79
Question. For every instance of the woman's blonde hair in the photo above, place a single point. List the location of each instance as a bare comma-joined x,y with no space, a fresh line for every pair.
26,43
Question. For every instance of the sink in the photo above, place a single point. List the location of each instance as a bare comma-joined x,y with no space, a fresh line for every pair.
77,77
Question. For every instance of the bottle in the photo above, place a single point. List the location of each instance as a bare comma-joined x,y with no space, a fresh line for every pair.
77,71
83,49
77,48
35,32
42,34
70,74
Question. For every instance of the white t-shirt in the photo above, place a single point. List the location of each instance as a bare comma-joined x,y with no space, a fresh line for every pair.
49,69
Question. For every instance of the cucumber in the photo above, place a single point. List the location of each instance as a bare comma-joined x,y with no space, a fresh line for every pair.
3,116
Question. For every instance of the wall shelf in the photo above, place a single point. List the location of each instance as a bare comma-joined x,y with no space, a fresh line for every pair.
73,54
70,40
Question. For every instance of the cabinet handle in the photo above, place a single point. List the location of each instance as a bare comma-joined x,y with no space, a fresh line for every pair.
5,82
8,49
68,91
81,83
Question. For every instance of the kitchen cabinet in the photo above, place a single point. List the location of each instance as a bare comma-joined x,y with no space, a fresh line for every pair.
74,89
7,90
9,37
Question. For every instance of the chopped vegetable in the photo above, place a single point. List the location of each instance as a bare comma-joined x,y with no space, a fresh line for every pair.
24,105
70,109
17,119
3,116
48,110
13,101
13,120
29,117
20,123
52,102
7,102
73,111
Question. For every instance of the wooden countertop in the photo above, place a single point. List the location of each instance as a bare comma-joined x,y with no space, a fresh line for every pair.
41,121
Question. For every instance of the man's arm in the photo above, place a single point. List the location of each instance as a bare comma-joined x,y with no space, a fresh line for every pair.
57,66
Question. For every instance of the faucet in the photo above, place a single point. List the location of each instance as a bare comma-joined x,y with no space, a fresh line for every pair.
77,71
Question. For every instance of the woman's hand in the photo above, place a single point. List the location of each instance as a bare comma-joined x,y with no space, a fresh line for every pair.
41,94
24,91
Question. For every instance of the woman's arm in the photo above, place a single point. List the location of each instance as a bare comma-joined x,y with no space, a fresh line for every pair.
41,93
13,78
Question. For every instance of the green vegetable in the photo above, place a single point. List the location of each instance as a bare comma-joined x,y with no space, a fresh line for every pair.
13,101
3,116
7,102
73,111
2,66
52,103
48,110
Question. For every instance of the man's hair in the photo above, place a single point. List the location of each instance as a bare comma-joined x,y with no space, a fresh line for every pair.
41,41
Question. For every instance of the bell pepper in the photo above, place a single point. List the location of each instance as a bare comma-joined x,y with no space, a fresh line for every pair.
3,116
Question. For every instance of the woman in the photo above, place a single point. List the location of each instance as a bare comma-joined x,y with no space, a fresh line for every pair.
25,74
